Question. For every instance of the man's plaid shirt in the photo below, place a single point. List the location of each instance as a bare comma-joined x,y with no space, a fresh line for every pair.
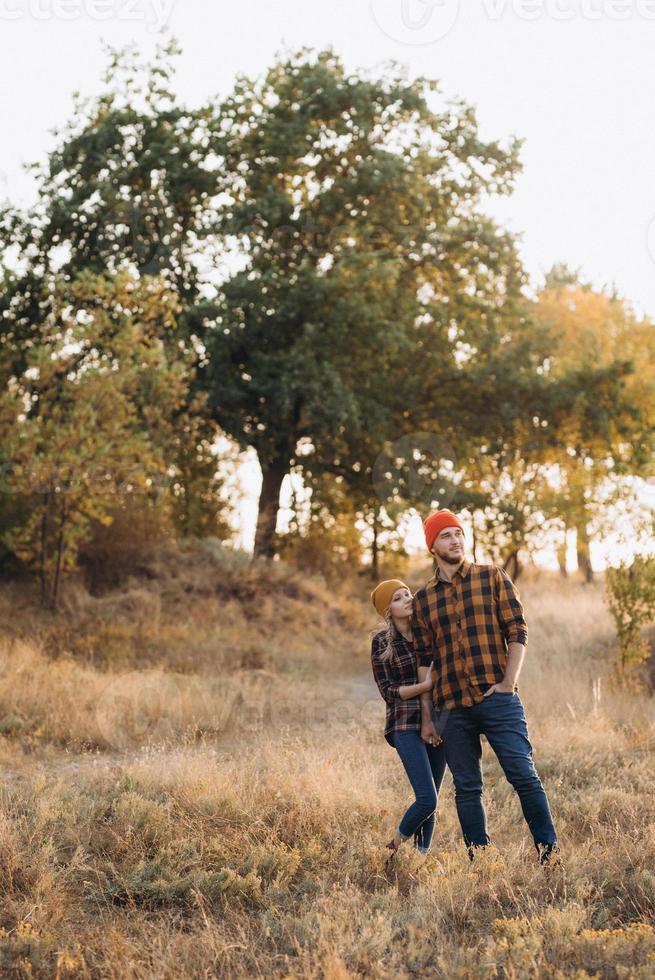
465,626
402,716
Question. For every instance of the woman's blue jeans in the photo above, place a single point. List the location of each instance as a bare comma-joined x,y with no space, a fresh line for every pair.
425,766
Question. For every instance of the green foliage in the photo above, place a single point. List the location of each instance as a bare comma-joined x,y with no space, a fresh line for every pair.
354,210
325,539
343,293
116,548
90,417
128,186
602,365
631,600
125,193
198,506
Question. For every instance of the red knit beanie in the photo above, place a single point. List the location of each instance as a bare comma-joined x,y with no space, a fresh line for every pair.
435,523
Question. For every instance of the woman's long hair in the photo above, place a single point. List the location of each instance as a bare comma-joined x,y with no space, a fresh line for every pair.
390,635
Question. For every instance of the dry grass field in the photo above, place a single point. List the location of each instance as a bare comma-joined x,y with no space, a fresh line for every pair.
195,784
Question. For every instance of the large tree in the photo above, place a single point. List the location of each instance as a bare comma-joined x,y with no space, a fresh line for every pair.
353,208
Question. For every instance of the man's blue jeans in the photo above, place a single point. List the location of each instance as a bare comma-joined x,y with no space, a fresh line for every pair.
501,718
425,766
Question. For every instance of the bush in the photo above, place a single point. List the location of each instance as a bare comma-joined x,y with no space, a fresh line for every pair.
631,600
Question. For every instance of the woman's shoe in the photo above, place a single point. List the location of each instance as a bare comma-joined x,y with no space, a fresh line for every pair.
393,848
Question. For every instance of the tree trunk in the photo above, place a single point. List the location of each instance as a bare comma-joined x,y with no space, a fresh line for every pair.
186,485
60,552
561,556
375,548
269,502
43,556
582,551
512,565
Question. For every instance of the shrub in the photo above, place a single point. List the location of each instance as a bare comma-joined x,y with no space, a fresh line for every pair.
631,600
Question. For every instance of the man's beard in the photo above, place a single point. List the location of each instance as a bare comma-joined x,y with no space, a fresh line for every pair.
451,559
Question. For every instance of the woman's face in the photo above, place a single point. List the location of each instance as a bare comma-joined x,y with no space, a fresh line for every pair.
401,603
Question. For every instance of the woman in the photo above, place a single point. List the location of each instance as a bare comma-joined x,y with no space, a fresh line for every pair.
394,669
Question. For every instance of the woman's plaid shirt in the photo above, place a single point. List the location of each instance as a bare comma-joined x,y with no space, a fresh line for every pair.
402,716
465,626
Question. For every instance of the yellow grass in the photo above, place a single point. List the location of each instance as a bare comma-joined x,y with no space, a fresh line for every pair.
223,811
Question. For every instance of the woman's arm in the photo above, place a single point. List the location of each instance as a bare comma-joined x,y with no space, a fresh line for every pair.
422,687
384,680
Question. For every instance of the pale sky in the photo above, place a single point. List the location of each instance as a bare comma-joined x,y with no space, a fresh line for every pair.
574,78
580,91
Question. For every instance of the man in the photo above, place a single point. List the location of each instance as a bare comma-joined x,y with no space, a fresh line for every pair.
468,620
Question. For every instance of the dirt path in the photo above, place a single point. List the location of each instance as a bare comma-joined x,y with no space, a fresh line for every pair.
69,765
355,696
361,688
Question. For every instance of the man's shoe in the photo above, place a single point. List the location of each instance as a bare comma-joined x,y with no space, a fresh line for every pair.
473,849
549,854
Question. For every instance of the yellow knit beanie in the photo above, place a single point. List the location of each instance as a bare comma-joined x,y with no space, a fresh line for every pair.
382,594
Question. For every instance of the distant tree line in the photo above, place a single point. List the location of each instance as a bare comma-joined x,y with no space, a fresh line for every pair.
306,268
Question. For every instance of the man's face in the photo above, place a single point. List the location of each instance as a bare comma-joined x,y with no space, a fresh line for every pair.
449,545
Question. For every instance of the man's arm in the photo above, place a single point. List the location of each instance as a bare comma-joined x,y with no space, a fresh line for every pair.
515,630
421,636
509,609
515,655
429,731
426,697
